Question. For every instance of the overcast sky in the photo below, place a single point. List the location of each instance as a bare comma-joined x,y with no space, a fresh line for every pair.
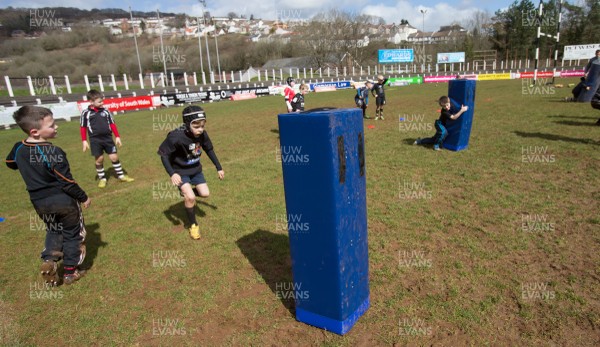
438,12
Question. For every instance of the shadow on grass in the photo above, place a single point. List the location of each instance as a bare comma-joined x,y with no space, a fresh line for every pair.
554,137
576,123
573,117
176,213
269,254
276,131
93,242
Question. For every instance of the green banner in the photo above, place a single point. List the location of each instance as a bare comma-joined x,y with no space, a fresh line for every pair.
405,80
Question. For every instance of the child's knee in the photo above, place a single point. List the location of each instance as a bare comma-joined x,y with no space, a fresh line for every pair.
203,191
189,199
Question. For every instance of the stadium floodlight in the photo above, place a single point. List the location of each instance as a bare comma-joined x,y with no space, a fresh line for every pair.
137,50
423,12
203,3
162,50
199,44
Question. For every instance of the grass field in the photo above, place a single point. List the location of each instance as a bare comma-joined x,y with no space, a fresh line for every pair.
497,245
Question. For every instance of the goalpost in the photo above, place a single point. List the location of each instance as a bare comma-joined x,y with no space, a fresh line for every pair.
539,17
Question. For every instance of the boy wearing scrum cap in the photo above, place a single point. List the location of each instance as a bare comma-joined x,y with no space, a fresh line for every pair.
180,155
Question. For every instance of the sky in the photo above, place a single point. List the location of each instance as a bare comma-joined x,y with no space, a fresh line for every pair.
392,11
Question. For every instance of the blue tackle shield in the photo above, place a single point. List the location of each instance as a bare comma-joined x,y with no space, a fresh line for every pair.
324,176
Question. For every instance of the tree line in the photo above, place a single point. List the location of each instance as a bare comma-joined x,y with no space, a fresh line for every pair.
334,38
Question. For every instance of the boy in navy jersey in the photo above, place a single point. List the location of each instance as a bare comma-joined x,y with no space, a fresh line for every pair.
180,155
99,123
441,123
379,94
298,99
55,196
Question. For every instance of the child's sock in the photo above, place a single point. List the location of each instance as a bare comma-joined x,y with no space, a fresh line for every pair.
191,215
69,270
100,171
118,168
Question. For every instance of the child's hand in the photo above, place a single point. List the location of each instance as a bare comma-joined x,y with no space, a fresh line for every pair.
118,141
221,174
87,203
85,146
176,179
464,108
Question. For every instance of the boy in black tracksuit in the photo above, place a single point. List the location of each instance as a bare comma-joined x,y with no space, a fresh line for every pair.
54,194
180,155
379,94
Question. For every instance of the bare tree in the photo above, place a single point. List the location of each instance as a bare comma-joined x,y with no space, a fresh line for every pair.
333,35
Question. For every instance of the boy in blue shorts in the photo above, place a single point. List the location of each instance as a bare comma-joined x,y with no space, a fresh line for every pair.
440,124
55,196
361,99
180,155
